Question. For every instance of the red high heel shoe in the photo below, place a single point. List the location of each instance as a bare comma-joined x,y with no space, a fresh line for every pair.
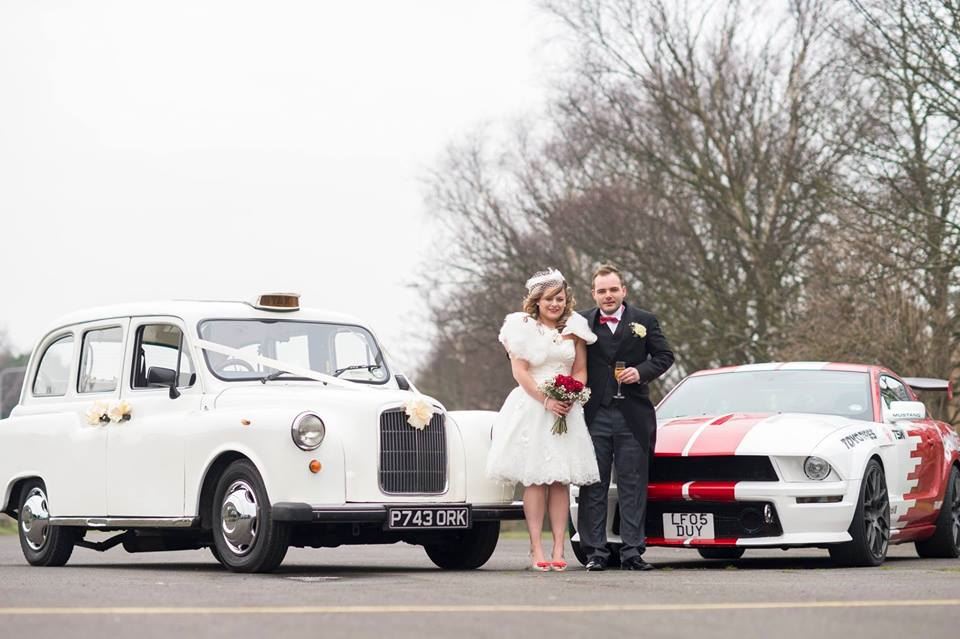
558,566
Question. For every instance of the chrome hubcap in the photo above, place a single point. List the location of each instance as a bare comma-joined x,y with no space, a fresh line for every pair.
876,513
34,519
238,517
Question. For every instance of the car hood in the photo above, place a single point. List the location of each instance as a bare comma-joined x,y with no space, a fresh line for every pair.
312,396
748,433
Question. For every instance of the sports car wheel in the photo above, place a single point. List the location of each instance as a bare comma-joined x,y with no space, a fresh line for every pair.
870,529
945,542
721,553
467,549
41,543
245,537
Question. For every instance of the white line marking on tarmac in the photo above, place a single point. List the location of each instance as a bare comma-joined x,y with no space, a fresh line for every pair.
494,608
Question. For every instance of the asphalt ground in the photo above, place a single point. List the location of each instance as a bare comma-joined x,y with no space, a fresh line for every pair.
394,591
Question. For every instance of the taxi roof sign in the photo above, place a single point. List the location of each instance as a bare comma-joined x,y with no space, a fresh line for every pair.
278,302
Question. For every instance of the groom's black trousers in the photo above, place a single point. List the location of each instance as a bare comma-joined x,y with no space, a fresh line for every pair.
615,444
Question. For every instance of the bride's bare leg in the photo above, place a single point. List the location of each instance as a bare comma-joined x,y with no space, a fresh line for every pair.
534,505
559,509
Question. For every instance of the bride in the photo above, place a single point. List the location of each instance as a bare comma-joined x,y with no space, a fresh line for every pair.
543,341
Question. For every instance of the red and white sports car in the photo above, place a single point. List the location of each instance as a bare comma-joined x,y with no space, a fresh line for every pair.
836,456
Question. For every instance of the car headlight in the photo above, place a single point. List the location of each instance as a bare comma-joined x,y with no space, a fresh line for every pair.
308,431
816,468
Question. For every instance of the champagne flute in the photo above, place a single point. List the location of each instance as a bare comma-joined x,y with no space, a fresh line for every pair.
618,369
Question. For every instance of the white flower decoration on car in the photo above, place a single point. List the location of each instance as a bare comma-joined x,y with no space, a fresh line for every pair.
419,412
638,329
119,411
97,414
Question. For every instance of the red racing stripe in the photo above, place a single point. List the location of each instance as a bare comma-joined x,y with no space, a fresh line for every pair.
713,491
723,437
673,436
660,541
665,491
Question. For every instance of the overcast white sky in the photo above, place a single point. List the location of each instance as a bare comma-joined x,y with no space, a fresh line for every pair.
217,149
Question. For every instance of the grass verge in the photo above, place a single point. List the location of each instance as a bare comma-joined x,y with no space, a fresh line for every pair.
7,526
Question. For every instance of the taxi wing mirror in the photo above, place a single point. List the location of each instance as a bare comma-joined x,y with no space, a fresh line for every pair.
160,376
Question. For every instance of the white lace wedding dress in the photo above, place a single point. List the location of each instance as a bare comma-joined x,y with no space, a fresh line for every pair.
524,449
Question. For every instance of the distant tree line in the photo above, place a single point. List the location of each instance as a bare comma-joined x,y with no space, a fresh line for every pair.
778,180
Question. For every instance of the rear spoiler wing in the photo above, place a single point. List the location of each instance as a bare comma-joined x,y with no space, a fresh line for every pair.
930,384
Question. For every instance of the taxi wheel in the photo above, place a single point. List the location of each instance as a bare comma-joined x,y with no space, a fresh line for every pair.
945,542
245,537
42,544
728,554
870,529
468,549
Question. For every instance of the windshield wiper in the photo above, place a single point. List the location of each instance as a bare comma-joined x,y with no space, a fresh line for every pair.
369,367
272,376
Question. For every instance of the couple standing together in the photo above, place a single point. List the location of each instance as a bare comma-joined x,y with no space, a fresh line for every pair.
548,338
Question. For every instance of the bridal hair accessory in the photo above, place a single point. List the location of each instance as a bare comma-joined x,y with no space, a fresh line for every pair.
543,278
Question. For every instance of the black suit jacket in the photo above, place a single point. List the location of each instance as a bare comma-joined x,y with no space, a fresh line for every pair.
650,355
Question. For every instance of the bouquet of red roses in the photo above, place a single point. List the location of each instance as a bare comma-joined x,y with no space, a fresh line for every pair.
565,389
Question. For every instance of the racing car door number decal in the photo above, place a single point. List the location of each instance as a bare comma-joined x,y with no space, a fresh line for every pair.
858,437
898,434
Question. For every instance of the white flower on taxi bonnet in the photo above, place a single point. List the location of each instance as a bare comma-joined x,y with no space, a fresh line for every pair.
638,329
119,411
95,414
419,412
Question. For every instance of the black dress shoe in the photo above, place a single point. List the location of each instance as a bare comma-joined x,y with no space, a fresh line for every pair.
596,564
635,563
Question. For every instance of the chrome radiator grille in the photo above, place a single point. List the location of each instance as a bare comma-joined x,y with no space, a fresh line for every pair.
412,461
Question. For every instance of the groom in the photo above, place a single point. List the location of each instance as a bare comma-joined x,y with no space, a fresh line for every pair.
623,430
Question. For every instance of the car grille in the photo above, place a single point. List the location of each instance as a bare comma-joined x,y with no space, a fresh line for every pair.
412,461
712,468
740,520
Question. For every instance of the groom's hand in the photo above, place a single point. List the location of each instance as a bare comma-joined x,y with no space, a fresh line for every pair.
629,376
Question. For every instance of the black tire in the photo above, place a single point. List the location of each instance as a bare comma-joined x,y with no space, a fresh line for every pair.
945,542
41,543
248,540
727,554
870,528
613,560
466,549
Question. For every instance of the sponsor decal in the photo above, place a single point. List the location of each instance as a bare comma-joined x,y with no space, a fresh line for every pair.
898,434
858,438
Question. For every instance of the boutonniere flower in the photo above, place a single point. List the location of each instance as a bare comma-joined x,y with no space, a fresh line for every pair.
103,412
419,412
638,329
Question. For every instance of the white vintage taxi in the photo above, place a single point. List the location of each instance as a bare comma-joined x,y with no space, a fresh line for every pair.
242,427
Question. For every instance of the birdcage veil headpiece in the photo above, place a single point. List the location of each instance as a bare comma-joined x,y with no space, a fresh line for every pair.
542,279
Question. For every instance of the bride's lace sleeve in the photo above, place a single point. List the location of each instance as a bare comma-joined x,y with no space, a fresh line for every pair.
577,325
521,337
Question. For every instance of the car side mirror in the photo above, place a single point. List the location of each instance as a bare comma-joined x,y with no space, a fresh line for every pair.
402,382
904,411
160,376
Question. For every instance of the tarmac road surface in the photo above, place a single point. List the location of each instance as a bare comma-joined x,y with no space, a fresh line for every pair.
394,591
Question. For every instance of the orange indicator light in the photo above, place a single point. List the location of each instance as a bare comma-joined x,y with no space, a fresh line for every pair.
315,466
244,422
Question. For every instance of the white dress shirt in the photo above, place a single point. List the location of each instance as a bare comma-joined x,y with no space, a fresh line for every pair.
613,325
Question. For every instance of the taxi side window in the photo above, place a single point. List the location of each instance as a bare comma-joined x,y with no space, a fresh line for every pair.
53,373
101,360
160,357
891,390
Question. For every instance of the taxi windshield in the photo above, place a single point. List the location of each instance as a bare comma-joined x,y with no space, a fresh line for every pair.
844,393
340,350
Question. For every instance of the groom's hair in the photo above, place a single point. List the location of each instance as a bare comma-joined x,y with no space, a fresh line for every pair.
606,269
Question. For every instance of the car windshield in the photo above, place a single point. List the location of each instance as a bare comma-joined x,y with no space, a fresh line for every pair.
341,350
844,393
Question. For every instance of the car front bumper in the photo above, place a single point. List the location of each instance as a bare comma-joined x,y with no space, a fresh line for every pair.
377,513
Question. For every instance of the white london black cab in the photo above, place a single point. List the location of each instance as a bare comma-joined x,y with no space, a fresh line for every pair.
786,455
242,427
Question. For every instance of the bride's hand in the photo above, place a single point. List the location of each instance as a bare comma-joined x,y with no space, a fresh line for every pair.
557,407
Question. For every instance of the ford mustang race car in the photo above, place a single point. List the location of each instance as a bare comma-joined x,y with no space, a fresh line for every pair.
836,456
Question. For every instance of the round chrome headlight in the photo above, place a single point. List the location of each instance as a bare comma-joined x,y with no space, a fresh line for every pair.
816,468
308,431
